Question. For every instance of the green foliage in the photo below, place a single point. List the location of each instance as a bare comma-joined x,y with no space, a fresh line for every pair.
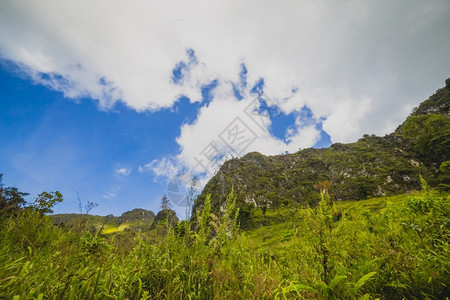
430,136
387,248
45,201
444,176
204,220
164,220
11,200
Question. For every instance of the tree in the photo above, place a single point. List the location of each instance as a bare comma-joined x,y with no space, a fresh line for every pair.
11,200
323,187
165,204
45,201
90,205
444,176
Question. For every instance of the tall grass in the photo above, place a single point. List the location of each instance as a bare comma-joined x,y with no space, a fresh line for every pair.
388,248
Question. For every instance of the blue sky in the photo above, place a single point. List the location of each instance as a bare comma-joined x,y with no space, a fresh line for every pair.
113,100
54,143
50,142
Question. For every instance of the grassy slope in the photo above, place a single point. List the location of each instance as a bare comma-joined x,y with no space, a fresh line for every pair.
277,227
392,248
109,229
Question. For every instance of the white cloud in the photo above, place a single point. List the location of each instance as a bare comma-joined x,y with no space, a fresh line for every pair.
112,193
340,126
122,171
358,63
165,167
228,127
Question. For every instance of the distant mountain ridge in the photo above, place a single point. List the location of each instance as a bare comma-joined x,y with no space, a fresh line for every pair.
136,219
137,214
372,166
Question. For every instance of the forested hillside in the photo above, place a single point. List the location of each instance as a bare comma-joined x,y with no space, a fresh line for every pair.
371,167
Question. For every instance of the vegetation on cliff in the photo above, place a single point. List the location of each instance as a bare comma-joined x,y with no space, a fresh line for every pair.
371,167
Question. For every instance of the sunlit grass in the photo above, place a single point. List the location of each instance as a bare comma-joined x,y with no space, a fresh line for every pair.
113,229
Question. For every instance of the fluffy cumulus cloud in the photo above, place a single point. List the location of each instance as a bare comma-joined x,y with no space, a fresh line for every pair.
239,119
354,66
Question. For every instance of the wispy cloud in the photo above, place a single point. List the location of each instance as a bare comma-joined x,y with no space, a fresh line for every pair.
167,167
112,193
122,171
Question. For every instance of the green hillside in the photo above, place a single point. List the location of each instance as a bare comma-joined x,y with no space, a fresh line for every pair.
137,215
371,167
119,231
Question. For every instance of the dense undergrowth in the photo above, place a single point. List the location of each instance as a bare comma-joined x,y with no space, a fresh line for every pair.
390,248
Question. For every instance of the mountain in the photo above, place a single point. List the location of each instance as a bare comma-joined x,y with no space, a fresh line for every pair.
373,166
137,214
428,128
136,217
166,215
